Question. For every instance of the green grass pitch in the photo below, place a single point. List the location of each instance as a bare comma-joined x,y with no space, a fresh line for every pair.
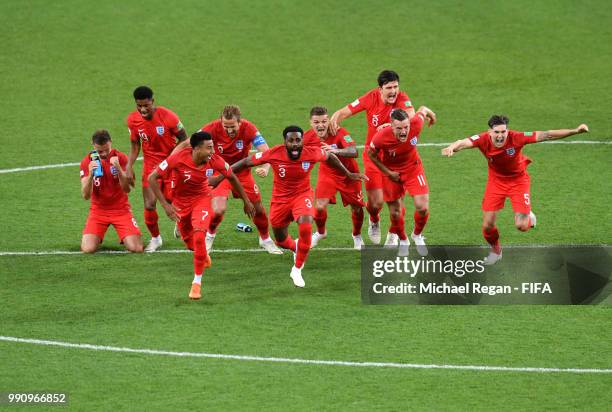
69,67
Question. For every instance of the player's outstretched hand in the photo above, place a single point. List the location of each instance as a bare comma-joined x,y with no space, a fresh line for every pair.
172,212
583,128
448,151
358,176
394,176
261,172
428,114
249,209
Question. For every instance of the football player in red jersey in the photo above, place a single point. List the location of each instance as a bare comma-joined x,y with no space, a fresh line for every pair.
378,104
157,130
507,176
191,205
331,180
233,138
292,197
403,173
104,181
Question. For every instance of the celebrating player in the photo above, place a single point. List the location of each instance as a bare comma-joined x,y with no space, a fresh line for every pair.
191,204
378,104
104,181
508,175
292,197
403,172
157,130
331,180
233,137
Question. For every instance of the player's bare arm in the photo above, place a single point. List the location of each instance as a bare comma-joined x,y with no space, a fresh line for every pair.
337,118
87,182
242,164
132,156
456,146
373,155
263,170
427,114
170,209
215,180
350,151
181,142
560,133
249,209
336,163
124,182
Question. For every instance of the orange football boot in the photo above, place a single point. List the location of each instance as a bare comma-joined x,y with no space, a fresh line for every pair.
195,292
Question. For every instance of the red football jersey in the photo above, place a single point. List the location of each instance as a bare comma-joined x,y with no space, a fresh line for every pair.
506,161
291,177
341,140
377,112
157,136
398,156
232,150
191,180
107,193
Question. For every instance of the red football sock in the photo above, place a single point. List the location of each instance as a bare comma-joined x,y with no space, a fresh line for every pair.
305,231
492,238
261,222
357,217
374,212
419,222
288,243
398,226
151,218
320,218
215,222
199,253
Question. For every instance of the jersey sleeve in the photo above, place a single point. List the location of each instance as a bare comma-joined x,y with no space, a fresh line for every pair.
344,139
123,159
173,122
260,158
165,168
221,166
477,140
377,141
523,138
132,130
404,101
360,104
84,167
255,136
417,123
208,127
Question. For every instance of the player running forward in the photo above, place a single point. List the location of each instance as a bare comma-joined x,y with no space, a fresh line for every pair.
378,104
331,180
104,181
403,172
508,175
191,204
292,197
157,130
233,138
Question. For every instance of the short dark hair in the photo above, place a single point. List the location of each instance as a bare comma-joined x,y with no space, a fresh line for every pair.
292,129
399,114
230,112
498,119
387,76
100,137
318,111
198,138
142,93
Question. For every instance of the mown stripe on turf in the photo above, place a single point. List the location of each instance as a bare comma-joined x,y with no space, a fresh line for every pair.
54,166
479,368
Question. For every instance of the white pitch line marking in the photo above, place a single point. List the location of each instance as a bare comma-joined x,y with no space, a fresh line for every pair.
59,165
480,368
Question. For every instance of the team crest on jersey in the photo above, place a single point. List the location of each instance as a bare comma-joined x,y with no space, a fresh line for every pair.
305,166
413,141
239,144
510,151
114,171
160,130
209,172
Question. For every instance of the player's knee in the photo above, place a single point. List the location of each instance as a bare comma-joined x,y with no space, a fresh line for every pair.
487,226
135,247
88,248
150,206
422,211
395,213
219,211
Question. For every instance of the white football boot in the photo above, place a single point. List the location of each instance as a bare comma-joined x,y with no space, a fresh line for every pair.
296,277
210,239
358,242
392,240
374,232
154,244
419,241
316,237
492,258
404,248
532,219
270,246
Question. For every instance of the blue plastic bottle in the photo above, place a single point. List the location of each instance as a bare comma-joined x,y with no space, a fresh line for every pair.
95,157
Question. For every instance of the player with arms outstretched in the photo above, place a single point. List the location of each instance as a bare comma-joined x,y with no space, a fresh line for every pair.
191,204
403,173
378,104
233,138
107,188
157,130
292,197
330,180
508,175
